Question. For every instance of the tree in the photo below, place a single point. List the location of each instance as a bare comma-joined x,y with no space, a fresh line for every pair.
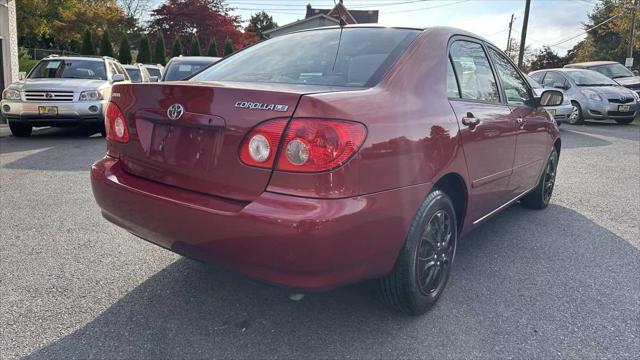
545,58
144,50
177,48
106,49
88,47
207,18
195,46
135,9
228,47
213,47
160,52
124,52
259,23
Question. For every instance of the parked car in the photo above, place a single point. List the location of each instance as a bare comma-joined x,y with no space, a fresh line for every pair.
593,95
560,113
137,73
181,67
61,91
612,70
155,71
343,154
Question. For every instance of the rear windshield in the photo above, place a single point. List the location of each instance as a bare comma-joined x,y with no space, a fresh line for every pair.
134,74
154,71
180,70
69,69
352,57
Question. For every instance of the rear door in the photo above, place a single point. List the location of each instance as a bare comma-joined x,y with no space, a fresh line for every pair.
486,127
532,124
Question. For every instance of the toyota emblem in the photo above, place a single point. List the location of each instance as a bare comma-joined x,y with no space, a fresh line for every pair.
175,111
48,95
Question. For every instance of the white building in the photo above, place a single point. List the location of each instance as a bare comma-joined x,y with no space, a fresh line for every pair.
8,43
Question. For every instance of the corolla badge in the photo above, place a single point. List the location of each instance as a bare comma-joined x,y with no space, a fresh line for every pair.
175,111
261,106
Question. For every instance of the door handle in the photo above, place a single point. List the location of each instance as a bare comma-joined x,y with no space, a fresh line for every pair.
520,121
470,120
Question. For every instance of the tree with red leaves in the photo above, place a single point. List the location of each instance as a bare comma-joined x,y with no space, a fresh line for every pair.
205,19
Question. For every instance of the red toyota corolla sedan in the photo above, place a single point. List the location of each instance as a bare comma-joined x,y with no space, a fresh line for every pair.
329,156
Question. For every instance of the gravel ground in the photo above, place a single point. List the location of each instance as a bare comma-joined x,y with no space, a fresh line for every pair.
559,283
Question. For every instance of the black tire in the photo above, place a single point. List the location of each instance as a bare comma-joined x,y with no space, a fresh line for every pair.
404,288
576,118
19,129
624,121
540,197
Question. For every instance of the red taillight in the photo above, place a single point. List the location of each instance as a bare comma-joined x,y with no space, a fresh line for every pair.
319,145
115,124
260,146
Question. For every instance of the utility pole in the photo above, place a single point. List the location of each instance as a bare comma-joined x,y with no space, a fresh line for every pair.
523,35
634,9
509,38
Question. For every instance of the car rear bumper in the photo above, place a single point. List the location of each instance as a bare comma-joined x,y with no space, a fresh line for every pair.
69,113
296,242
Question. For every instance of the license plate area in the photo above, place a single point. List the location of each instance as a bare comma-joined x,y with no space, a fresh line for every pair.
182,147
624,108
48,110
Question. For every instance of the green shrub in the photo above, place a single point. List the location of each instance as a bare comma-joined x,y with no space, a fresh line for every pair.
26,64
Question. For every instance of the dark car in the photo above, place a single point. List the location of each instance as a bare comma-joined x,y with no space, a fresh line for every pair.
612,70
182,67
342,155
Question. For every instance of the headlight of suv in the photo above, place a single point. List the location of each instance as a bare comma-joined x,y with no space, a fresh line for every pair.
11,94
90,95
591,95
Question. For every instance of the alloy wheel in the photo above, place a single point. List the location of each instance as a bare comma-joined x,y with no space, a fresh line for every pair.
435,253
549,179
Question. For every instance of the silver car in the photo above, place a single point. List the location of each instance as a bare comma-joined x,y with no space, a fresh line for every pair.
61,91
593,95
560,113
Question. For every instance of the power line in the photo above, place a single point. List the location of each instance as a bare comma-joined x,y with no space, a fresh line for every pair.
586,31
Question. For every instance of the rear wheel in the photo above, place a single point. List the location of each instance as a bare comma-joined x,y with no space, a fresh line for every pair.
575,118
540,197
20,129
424,263
624,121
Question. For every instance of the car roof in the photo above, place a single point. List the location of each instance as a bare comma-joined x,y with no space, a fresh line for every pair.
590,64
80,57
129,66
195,58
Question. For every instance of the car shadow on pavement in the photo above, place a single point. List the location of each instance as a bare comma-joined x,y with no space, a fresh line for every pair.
567,289
574,138
54,149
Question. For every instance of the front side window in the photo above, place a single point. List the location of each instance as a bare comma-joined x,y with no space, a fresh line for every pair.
514,86
353,57
69,69
474,72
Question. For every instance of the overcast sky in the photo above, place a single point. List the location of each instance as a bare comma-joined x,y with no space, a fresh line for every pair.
550,21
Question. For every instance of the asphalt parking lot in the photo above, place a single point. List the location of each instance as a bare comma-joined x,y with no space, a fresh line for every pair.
559,283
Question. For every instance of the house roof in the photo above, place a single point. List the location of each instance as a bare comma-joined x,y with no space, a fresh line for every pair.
353,16
332,19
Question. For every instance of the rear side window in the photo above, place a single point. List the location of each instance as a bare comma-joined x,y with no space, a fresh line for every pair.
349,57
474,72
514,86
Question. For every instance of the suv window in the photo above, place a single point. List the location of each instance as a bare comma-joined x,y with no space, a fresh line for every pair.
474,72
514,86
553,78
452,83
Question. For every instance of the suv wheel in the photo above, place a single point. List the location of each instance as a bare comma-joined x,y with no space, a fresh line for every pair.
20,129
424,263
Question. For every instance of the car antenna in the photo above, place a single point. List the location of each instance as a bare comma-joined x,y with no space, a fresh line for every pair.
342,25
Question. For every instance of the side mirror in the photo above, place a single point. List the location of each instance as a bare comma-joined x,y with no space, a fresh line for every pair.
22,75
551,98
560,86
153,78
117,78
